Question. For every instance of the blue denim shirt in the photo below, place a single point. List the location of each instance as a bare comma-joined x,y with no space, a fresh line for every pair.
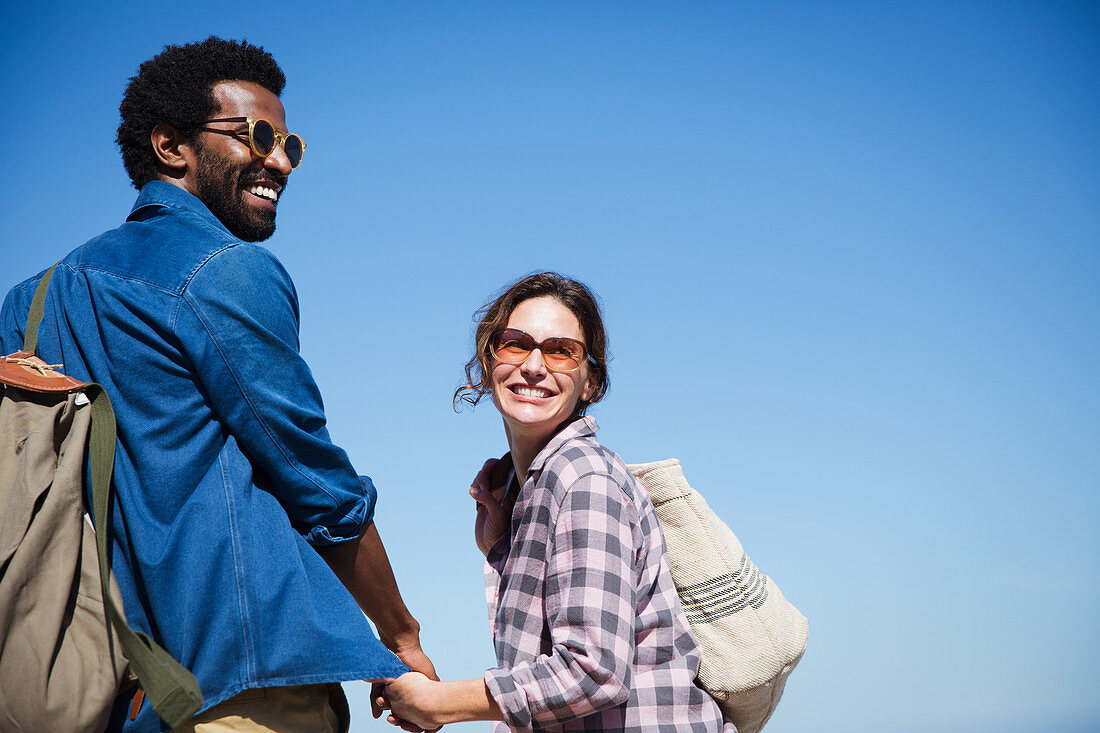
225,477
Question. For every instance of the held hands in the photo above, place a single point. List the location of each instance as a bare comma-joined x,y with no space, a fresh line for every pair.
416,702
414,658
409,699
493,515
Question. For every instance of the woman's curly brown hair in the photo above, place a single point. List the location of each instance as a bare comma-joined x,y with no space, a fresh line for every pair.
573,295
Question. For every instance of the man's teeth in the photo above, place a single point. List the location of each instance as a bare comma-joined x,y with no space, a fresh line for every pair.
532,392
264,192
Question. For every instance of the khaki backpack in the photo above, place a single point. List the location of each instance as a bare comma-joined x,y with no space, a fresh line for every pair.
66,652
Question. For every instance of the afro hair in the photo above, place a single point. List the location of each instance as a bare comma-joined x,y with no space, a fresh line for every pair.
176,87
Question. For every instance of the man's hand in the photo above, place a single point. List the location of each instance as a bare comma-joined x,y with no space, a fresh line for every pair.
493,516
409,699
416,660
416,702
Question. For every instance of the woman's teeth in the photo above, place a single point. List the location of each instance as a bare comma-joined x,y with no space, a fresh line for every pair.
531,391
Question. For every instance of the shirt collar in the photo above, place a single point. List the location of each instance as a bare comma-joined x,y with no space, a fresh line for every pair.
156,195
582,427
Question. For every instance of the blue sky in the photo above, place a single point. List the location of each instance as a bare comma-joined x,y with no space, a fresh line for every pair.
849,255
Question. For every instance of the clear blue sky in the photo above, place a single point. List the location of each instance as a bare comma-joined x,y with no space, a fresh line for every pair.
850,259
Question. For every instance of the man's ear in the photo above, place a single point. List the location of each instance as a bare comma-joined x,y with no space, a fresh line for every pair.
174,154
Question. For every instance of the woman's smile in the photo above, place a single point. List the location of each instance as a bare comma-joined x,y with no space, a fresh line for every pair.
533,400
527,391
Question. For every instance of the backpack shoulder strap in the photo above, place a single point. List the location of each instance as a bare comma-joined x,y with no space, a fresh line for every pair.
38,308
171,688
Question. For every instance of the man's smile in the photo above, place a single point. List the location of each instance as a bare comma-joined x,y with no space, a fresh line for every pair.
264,191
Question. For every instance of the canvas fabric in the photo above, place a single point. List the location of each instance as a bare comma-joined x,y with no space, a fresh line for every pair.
750,635
61,664
66,651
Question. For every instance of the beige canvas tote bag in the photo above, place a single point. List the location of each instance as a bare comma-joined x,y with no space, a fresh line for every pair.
751,636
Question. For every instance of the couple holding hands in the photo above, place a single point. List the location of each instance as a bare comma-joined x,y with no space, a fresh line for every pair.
242,539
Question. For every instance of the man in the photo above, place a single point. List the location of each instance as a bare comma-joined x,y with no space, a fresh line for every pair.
235,518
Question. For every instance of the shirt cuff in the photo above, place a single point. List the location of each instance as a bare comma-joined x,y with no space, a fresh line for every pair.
511,700
352,524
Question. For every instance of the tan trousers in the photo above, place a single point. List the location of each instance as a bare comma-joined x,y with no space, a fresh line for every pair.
298,709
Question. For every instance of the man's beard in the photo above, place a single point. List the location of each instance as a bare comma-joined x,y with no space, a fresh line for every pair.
220,187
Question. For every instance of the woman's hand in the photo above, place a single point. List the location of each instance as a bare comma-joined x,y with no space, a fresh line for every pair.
409,652
417,703
409,699
489,490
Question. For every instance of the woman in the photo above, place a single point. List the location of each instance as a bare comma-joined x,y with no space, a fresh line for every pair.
589,632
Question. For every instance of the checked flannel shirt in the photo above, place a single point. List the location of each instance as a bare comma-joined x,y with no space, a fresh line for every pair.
588,629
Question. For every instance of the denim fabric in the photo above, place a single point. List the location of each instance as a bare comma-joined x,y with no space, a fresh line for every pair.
225,478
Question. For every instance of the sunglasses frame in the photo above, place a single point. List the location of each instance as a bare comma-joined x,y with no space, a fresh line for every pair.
494,337
280,137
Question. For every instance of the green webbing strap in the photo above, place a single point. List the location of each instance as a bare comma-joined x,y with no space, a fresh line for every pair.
38,307
172,690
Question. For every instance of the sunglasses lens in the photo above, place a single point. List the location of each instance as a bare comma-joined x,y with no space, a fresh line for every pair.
512,347
263,137
562,354
294,148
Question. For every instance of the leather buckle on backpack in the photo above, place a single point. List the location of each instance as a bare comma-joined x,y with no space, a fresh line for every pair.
25,370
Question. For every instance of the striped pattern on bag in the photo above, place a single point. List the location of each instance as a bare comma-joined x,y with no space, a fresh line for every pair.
751,637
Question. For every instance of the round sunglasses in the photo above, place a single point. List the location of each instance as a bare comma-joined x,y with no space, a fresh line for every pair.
263,137
559,354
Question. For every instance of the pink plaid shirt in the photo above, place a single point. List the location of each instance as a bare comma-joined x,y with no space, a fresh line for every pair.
588,629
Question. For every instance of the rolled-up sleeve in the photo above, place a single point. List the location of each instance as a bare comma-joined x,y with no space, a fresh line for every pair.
589,604
238,323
